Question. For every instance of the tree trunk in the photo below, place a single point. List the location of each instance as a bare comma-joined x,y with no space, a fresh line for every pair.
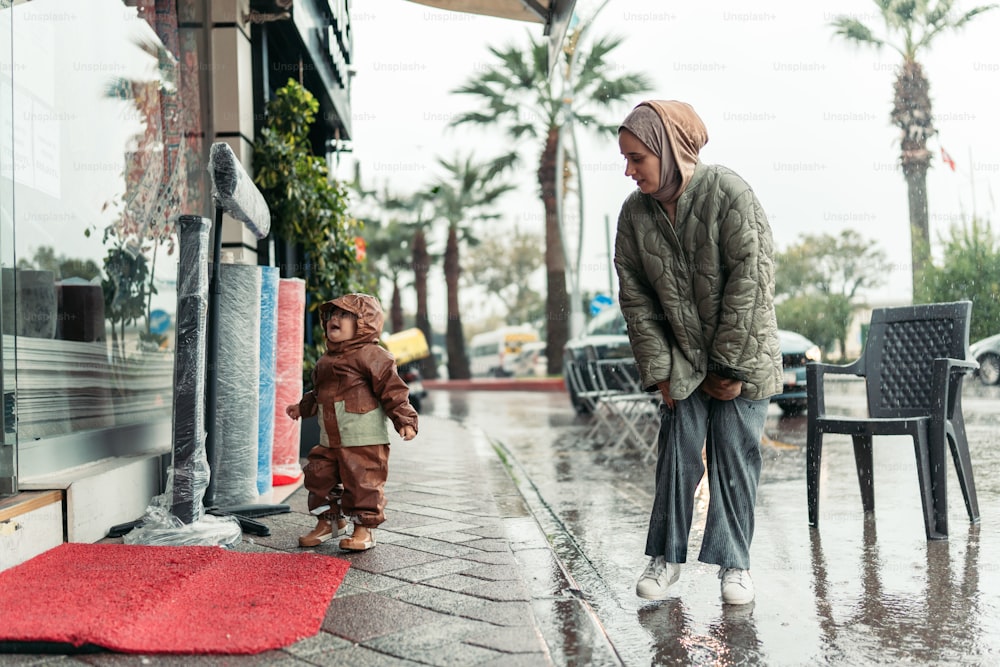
920,246
421,266
556,299
458,363
396,311
911,113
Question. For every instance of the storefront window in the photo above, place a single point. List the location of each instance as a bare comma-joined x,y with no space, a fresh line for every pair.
100,152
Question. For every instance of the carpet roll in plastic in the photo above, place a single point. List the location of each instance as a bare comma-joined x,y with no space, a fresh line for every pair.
237,412
288,379
270,276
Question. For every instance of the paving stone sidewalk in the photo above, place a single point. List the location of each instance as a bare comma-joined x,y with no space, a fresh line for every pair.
461,575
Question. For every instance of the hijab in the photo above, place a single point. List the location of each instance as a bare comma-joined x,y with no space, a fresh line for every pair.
675,134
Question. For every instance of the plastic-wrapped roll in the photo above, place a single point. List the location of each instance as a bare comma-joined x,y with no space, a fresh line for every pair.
234,192
288,379
235,468
268,347
189,473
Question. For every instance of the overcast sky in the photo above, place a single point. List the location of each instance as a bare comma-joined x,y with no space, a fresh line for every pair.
802,115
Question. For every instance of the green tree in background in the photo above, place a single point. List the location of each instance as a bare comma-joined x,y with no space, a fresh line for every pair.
502,264
970,269
419,222
911,26
468,193
388,244
412,213
822,318
308,207
820,282
518,95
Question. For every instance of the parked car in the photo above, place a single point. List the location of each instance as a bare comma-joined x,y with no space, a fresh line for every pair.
606,332
531,360
987,353
796,352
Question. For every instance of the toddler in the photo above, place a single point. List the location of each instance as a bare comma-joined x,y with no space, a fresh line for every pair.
355,388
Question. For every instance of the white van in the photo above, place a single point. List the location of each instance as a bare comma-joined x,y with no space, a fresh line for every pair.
492,353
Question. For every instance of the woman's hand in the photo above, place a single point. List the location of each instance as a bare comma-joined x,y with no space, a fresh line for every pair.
664,388
721,388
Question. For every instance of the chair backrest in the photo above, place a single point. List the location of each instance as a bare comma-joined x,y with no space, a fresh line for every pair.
900,351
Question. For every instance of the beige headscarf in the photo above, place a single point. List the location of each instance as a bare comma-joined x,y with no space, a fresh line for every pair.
675,134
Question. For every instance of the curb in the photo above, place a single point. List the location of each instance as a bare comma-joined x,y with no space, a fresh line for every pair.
577,616
498,384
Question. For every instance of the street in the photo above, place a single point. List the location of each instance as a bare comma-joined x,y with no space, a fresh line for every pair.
855,590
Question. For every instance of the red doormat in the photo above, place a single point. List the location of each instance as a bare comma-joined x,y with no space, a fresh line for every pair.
163,599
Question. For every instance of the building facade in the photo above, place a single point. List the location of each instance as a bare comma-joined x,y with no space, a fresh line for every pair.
107,111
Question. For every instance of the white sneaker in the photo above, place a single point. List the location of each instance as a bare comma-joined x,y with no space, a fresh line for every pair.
737,586
658,576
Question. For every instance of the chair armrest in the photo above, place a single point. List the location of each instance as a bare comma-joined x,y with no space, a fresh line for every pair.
836,369
943,368
815,372
962,365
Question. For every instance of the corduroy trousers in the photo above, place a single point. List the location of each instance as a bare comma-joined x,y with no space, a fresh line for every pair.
730,433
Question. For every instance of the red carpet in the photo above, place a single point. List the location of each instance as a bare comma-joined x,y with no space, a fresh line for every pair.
162,599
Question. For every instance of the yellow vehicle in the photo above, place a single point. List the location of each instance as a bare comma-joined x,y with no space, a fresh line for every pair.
407,345
410,346
493,353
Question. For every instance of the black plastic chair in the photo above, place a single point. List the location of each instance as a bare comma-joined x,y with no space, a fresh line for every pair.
913,363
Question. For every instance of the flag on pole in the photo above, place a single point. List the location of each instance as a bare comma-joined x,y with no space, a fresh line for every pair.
947,159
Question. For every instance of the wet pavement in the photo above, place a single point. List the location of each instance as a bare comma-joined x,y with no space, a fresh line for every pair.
510,540
857,590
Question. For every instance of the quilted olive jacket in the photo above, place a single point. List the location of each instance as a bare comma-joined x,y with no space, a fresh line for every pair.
698,296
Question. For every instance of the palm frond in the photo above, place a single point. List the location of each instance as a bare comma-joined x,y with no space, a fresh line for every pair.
939,20
854,30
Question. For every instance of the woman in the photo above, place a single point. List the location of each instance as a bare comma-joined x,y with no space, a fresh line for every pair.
694,258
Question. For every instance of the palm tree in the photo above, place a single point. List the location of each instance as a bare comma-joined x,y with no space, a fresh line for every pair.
466,194
913,25
409,214
388,245
418,224
518,95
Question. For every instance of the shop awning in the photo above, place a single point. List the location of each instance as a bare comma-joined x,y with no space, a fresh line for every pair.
554,15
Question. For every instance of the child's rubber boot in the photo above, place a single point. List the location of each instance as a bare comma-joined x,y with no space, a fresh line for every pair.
323,531
362,539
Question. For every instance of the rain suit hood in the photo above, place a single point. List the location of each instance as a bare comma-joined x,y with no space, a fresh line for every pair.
367,309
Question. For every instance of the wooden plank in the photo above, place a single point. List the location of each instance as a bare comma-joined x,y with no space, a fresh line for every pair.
27,501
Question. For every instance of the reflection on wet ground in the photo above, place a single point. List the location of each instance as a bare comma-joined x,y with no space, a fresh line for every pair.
856,590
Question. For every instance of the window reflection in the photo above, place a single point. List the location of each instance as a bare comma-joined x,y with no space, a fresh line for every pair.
101,151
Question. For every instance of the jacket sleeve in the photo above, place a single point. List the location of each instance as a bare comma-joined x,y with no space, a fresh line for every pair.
307,404
746,251
644,317
391,389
